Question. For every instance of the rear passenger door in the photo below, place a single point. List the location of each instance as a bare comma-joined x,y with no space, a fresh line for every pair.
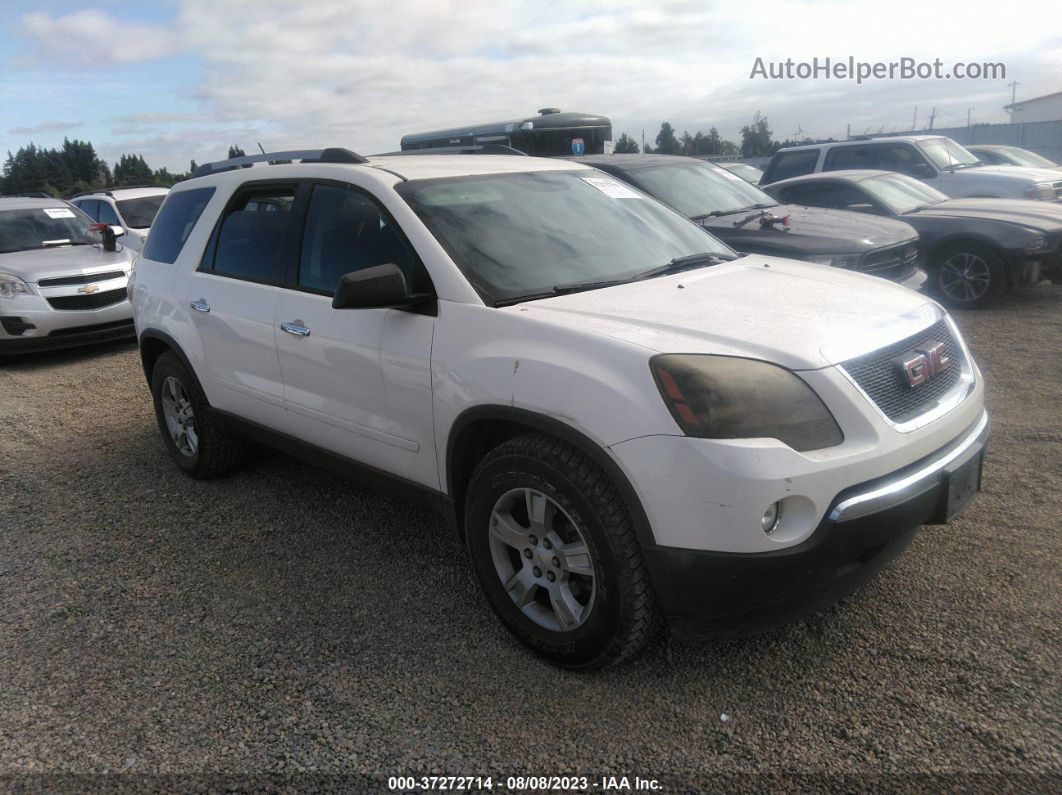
231,300
356,381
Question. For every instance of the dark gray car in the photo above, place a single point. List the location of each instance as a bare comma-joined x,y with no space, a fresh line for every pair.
750,221
974,249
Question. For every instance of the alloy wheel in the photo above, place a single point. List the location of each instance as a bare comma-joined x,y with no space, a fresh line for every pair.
964,277
180,417
542,560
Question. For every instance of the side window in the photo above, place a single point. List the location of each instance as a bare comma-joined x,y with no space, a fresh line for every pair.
843,157
90,207
792,164
174,223
899,157
251,234
347,231
107,215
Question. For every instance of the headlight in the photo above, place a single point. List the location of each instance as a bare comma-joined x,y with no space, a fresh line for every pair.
1038,243
11,285
723,397
835,260
1041,190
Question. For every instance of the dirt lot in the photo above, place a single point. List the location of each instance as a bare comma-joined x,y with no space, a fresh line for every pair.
284,623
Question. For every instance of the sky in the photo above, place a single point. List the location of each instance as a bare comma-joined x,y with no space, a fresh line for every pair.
176,80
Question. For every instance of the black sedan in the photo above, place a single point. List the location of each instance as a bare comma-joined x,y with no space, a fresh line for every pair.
750,221
974,249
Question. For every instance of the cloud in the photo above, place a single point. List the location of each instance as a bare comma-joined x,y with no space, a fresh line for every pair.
48,126
143,119
94,38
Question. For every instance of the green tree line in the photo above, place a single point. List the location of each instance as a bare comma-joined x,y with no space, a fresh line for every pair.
74,167
756,141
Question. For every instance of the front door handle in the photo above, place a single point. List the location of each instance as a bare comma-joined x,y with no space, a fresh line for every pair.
295,327
200,305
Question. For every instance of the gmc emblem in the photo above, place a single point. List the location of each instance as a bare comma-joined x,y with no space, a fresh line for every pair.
920,365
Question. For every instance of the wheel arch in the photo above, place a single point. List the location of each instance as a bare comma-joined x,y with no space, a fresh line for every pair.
154,343
963,238
478,430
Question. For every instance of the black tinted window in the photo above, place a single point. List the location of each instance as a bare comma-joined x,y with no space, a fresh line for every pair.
791,164
90,207
252,233
346,231
843,157
175,222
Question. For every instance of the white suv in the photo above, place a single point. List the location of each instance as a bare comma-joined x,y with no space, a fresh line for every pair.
623,419
129,209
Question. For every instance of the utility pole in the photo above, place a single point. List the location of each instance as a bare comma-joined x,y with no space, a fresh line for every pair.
848,135
968,116
914,120
1013,91
643,140
932,116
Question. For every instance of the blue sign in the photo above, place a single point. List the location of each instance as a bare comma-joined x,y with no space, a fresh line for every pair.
578,147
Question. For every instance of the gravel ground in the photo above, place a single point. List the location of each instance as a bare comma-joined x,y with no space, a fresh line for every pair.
283,627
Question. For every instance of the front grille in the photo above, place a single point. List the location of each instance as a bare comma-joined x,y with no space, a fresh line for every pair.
82,278
892,262
89,300
882,379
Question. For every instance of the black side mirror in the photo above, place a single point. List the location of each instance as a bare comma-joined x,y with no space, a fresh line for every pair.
378,287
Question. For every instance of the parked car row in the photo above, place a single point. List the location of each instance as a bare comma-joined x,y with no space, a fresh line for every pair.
626,421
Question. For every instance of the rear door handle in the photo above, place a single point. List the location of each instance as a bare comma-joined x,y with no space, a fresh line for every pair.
295,327
200,305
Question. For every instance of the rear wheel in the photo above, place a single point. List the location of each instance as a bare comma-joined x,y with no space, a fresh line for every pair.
189,431
969,276
554,549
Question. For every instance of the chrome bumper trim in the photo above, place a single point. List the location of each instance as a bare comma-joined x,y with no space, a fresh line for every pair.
897,491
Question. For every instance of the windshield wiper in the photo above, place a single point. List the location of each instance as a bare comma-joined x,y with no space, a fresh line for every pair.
718,213
684,263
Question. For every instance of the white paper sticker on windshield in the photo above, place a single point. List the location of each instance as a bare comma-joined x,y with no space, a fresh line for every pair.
58,212
612,188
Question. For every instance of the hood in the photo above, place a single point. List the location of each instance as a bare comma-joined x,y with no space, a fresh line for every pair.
62,261
812,230
795,314
1045,216
1022,174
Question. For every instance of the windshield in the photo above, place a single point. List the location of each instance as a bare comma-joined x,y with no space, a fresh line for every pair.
748,173
697,190
1023,157
945,153
43,227
901,193
139,213
523,234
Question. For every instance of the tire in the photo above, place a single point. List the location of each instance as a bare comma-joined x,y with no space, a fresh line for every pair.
188,428
968,276
597,607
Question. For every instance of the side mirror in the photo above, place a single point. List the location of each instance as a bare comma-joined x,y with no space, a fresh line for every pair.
862,208
378,287
118,231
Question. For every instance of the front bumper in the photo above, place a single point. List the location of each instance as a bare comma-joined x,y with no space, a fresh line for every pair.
29,323
915,280
868,525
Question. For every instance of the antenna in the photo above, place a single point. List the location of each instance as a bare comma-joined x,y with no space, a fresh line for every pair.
260,149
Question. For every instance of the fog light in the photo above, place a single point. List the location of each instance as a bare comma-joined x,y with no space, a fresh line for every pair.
771,517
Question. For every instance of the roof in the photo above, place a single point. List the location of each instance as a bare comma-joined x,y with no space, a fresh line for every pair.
1024,102
20,203
435,166
551,119
848,174
973,147
635,160
138,193
864,141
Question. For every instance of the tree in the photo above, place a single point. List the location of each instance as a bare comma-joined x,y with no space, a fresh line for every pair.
626,145
666,142
132,170
235,151
756,138
728,148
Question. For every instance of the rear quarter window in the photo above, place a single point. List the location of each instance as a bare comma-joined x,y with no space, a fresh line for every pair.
791,164
174,223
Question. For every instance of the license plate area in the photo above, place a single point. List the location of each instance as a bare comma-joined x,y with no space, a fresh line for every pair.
962,482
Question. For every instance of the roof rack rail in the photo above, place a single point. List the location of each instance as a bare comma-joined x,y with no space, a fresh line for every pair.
481,149
330,155
110,191
33,194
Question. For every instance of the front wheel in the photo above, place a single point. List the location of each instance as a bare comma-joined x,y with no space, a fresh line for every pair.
969,277
554,549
